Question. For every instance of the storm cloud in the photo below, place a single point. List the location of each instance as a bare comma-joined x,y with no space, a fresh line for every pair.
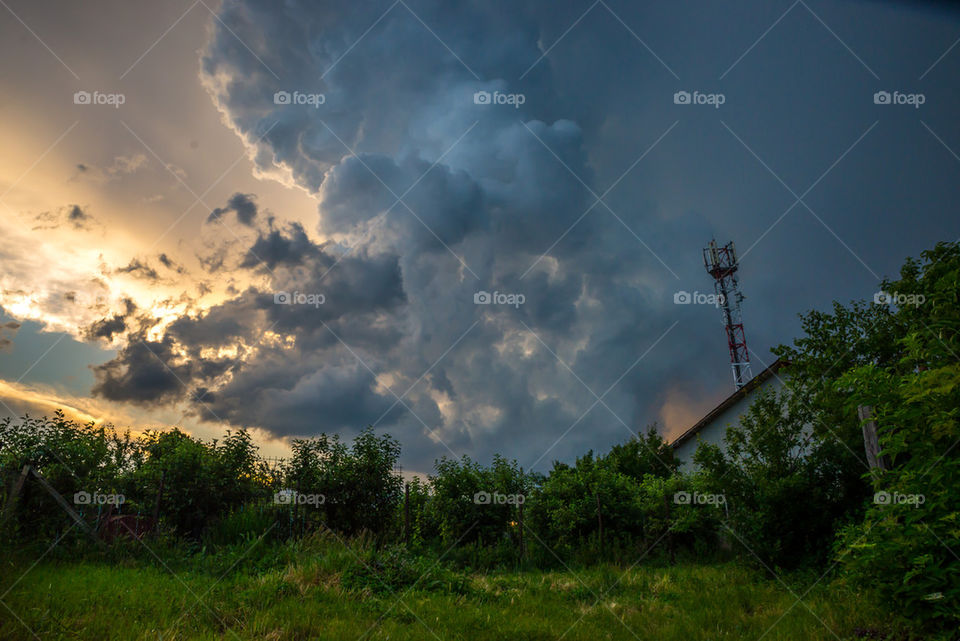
457,167
242,205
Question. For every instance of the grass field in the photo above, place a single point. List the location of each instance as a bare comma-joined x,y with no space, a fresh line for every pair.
326,591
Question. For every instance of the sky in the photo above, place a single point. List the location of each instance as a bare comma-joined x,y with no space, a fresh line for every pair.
464,224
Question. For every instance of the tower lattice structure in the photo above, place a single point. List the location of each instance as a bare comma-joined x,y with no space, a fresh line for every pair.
721,263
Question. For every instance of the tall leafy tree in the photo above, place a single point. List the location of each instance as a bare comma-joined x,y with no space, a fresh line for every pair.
908,546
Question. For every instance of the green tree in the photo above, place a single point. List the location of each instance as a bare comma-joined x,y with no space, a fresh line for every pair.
589,499
908,543
643,455
71,456
782,483
476,504
359,485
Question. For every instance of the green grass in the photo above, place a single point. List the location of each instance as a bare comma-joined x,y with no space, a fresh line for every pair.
322,591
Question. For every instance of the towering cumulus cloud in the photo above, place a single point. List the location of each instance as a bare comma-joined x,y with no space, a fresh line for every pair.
441,178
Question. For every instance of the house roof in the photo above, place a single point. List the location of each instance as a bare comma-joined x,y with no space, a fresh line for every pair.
750,386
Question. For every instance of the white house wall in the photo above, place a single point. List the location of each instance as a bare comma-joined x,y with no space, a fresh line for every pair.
714,431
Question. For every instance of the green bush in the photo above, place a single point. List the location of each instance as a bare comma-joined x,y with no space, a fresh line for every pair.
781,483
588,499
197,482
907,546
359,485
472,503
71,456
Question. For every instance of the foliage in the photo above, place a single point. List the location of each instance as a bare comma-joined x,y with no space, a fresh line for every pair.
833,343
907,545
359,487
589,499
595,503
644,455
472,503
72,456
781,482
197,482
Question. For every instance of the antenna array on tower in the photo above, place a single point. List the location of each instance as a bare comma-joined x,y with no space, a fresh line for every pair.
721,263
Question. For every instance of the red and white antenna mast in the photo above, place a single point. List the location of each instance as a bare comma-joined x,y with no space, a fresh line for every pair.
721,263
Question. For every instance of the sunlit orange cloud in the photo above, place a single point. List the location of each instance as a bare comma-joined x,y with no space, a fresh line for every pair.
41,400
66,279
682,410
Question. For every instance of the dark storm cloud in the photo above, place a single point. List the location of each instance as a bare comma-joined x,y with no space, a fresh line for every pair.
140,269
72,215
77,215
115,325
8,331
466,199
170,264
442,193
149,372
313,400
242,205
276,247
291,383
144,372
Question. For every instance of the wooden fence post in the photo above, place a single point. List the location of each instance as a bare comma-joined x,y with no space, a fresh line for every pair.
599,520
406,512
523,544
666,503
871,442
